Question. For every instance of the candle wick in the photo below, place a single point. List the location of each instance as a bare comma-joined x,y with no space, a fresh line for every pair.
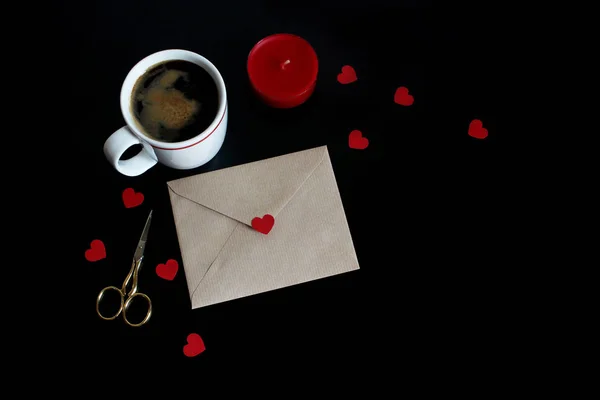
285,63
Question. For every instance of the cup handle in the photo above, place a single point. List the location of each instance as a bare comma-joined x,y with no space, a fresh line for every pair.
115,146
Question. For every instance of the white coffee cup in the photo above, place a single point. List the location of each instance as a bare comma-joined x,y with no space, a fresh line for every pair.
186,154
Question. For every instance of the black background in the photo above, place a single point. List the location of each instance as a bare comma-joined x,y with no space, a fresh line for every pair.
423,201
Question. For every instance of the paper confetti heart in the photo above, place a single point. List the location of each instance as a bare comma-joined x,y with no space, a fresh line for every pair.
264,224
131,198
348,75
167,270
402,97
195,345
96,252
477,130
357,141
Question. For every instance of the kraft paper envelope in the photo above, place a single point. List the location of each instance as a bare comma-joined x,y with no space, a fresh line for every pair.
224,258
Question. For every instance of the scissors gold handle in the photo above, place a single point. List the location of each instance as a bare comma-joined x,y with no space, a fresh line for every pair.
126,302
134,272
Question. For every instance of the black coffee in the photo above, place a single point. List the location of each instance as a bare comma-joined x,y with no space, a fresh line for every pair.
175,101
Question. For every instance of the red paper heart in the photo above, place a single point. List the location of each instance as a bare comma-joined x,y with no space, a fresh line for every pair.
348,75
131,198
402,97
264,224
195,345
477,130
96,252
357,141
167,270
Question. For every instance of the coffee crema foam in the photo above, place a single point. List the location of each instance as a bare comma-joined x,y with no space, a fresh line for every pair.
170,99
164,105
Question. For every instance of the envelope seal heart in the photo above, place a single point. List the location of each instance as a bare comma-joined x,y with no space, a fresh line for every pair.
217,215
264,224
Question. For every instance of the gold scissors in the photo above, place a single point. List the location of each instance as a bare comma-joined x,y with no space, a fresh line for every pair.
134,272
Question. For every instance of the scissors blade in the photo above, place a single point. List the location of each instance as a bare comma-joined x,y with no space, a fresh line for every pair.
139,251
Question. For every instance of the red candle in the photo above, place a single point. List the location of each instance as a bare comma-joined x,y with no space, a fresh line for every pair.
283,70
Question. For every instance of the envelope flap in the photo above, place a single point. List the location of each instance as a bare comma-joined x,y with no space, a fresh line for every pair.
251,190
